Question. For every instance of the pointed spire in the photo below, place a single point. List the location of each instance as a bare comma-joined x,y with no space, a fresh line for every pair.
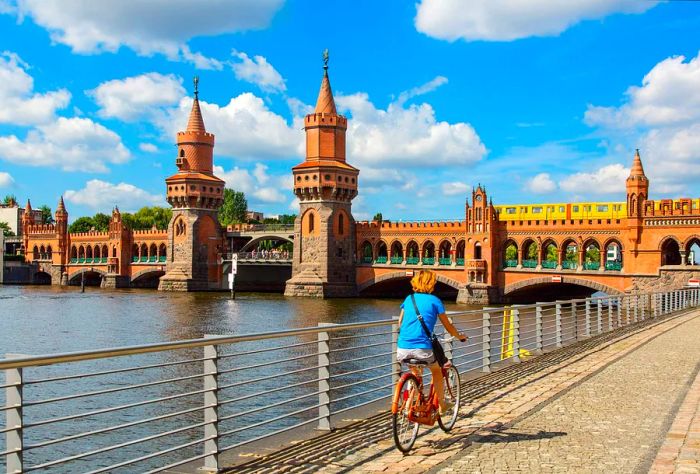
637,168
196,123
325,103
61,206
28,209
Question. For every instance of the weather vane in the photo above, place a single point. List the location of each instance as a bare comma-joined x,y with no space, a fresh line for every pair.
196,85
325,58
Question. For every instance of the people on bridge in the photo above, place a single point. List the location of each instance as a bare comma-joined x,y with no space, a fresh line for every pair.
413,341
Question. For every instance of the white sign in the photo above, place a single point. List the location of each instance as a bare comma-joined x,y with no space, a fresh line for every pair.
556,278
694,282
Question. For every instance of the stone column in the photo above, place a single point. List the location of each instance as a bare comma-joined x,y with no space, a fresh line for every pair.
683,257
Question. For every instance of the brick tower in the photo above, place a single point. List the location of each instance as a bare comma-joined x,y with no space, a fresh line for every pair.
637,186
324,231
194,235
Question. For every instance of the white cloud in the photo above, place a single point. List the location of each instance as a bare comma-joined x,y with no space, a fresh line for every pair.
148,147
421,90
662,118
454,187
407,136
609,179
269,195
541,184
20,104
157,26
72,144
6,180
253,184
260,173
258,71
244,128
133,97
101,195
507,20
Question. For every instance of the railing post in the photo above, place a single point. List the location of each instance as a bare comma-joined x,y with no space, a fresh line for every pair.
516,334
324,378
610,323
643,305
486,342
619,312
557,323
447,346
587,329
655,305
395,364
574,318
538,327
627,305
13,418
599,315
211,410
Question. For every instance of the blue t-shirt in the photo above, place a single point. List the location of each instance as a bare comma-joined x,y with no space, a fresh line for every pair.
411,334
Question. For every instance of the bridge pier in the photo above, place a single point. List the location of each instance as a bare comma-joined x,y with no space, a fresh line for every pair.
478,295
113,280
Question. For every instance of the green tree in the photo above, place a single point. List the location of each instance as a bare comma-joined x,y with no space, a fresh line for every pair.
511,252
234,208
532,252
571,254
378,217
10,200
551,253
46,215
593,254
82,224
101,222
147,217
287,218
6,231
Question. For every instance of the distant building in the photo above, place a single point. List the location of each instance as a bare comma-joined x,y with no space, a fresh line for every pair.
255,216
12,214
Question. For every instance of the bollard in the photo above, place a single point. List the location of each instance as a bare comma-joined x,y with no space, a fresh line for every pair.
395,364
324,378
538,327
587,328
599,315
557,323
13,418
486,342
211,410
516,334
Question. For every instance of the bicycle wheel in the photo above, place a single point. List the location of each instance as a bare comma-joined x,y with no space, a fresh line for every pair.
405,430
452,396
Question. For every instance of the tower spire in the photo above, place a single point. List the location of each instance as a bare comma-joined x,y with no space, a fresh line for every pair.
325,103
637,170
61,205
196,122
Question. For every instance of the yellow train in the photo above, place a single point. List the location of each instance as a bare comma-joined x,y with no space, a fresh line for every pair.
587,210
562,211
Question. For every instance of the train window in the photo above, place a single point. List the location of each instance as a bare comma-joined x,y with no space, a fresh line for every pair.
561,208
603,208
587,208
523,209
575,210
536,210
510,210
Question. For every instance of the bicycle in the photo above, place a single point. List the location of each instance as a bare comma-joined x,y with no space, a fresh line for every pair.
410,407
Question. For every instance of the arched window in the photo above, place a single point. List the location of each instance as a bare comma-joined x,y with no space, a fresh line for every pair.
311,223
162,253
73,252
114,252
510,254
396,252
529,257
144,253
88,253
81,254
134,253
49,252
105,252
153,253
341,224
428,253
692,251
382,254
367,256
477,251
613,256
550,254
670,253
182,153
35,253
97,253
591,258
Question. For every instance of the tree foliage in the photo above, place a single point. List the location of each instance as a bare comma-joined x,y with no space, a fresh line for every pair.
46,215
82,224
593,254
6,231
511,252
147,217
532,251
378,217
551,255
234,208
10,200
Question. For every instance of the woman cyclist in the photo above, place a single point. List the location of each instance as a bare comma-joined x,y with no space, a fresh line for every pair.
413,342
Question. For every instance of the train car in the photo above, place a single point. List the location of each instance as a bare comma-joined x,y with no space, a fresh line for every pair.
562,211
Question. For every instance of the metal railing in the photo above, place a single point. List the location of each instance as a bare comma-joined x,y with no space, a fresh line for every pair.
156,406
259,256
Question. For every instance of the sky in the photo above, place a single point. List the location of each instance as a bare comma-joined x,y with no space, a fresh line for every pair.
539,101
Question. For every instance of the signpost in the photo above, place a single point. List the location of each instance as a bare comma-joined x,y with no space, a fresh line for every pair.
556,278
232,275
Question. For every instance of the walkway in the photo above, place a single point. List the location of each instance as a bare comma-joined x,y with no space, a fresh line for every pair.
604,405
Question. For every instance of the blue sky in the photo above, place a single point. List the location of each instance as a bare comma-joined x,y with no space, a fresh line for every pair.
538,100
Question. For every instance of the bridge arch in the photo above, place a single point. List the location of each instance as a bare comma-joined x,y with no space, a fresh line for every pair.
670,248
565,279
147,278
93,276
452,283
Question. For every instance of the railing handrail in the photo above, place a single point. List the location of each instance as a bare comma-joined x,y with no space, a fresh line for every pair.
91,354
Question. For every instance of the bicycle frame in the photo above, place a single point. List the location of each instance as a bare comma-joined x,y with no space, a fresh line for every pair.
425,410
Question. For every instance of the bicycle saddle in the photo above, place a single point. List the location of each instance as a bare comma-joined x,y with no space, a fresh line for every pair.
415,362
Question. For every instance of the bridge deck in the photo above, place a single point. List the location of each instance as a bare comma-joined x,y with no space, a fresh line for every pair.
605,404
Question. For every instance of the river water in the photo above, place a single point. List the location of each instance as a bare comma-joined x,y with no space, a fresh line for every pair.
45,320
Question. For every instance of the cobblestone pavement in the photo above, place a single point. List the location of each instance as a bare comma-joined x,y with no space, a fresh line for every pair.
612,422
680,451
602,405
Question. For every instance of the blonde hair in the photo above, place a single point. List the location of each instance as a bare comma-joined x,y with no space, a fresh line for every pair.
424,282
